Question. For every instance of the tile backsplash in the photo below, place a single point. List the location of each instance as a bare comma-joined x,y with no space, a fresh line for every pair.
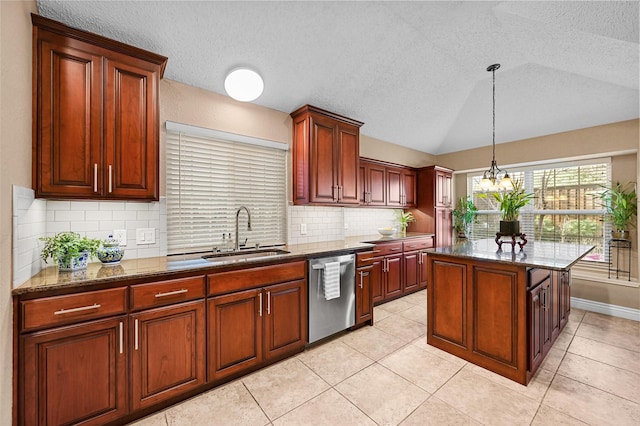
34,218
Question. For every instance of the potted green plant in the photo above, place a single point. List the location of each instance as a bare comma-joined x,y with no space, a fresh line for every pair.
463,216
510,203
621,204
70,250
404,218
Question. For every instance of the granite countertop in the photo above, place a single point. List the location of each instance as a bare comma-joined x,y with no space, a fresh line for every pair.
557,256
166,266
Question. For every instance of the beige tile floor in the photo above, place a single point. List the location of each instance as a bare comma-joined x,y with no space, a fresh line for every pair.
388,375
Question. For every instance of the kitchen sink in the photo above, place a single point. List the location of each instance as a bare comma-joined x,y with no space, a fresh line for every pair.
234,256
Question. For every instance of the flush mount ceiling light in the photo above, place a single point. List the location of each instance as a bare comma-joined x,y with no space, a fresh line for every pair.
243,84
495,179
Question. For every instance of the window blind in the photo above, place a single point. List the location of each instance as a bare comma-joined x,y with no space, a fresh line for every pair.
209,175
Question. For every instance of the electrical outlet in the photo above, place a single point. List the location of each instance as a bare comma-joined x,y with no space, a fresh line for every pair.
145,236
121,236
346,226
303,229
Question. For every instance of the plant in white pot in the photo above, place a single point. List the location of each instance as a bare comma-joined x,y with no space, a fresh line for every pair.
621,204
71,250
510,203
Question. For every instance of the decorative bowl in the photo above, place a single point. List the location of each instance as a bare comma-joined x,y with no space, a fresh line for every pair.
387,231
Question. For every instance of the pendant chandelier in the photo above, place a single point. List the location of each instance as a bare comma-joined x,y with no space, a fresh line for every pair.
495,179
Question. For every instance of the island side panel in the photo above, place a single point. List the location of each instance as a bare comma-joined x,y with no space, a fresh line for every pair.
477,311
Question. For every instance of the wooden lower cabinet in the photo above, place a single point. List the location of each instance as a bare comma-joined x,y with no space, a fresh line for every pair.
423,273
364,299
75,374
252,326
392,275
411,270
168,352
377,280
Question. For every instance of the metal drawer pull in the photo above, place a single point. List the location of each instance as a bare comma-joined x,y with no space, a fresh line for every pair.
172,293
80,309
366,260
395,248
121,337
135,332
95,177
110,179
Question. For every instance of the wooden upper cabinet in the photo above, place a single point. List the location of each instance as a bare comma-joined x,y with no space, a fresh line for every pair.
387,184
443,191
326,155
95,116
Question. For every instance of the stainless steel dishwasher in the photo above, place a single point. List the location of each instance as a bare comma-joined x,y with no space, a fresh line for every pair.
327,317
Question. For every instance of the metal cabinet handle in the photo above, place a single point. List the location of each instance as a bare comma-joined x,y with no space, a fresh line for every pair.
110,179
268,303
135,334
361,275
172,293
95,177
260,305
121,337
80,309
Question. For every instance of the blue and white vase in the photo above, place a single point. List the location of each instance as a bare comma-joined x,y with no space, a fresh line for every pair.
110,253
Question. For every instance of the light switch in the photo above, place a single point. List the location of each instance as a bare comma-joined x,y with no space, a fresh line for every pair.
145,236
303,229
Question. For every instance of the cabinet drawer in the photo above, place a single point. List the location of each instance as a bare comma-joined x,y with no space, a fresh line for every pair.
418,244
166,292
56,310
225,282
536,276
387,249
364,258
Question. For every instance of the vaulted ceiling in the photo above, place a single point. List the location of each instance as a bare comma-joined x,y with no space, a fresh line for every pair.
414,72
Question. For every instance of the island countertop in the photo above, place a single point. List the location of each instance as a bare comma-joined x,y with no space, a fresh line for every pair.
535,254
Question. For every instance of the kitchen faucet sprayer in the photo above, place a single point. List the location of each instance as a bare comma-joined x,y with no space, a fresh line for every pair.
237,247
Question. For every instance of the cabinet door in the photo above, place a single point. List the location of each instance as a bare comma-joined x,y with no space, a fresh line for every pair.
422,269
393,276
411,270
323,185
234,332
547,314
443,227
168,354
348,153
376,178
394,187
364,300
75,374
536,326
409,189
67,160
285,320
131,131
443,189
377,280
364,184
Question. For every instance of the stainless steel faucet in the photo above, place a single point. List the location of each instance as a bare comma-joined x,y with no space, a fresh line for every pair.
237,247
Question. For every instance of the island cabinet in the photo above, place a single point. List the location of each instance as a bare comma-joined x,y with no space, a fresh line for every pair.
364,296
95,116
255,316
500,310
326,154
435,204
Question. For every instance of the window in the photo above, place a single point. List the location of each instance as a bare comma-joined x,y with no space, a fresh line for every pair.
210,174
566,205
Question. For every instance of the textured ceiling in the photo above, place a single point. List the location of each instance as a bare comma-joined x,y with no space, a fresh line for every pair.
414,72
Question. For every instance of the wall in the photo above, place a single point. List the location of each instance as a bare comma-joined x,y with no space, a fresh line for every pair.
621,137
15,160
385,151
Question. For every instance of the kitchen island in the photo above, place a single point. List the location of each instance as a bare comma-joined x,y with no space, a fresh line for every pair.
500,309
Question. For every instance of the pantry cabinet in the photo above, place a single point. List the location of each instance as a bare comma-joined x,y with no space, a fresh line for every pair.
326,154
95,116
435,203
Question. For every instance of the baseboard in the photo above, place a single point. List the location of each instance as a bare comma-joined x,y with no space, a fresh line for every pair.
605,308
